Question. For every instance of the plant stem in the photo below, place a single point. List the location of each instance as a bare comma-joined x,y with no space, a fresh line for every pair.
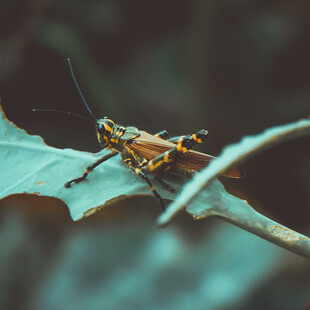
245,217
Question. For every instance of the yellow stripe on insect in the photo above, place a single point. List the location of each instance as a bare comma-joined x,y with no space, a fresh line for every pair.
167,158
153,166
181,148
198,140
120,132
107,127
114,141
143,163
138,170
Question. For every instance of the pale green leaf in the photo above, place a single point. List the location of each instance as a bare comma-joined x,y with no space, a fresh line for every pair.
232,156
29,166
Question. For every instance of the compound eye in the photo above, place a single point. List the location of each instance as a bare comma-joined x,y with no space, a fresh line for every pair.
102,135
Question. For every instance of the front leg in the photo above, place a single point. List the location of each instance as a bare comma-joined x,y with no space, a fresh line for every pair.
90,168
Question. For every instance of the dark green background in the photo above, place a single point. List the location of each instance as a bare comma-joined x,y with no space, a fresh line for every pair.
232,67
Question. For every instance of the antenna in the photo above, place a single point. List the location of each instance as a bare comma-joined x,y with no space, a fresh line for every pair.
79,90
65,112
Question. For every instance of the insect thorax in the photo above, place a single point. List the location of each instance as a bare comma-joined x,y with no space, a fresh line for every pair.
121,135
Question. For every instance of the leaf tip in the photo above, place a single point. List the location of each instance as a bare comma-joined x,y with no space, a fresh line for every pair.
163,220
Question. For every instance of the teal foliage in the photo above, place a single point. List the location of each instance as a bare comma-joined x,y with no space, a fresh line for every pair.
32,167
234,155
231,67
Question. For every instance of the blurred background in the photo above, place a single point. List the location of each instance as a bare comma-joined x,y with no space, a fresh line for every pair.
231,67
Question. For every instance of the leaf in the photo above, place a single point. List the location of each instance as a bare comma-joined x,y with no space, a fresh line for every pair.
232,209
29,166
232,156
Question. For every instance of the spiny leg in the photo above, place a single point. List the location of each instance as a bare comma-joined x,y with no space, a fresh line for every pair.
164,162
161,164
142,174
158,177
90,168
164,184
